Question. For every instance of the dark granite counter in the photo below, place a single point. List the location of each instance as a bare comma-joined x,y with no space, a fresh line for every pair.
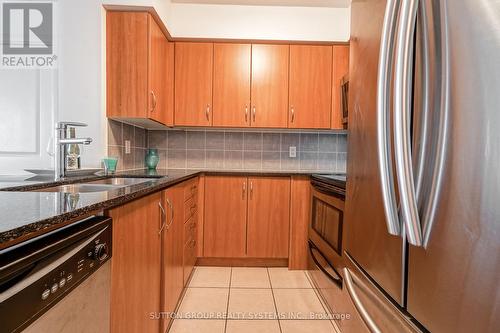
25,214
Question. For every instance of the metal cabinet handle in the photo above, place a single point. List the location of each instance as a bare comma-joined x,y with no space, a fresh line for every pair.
154,101
386,55
244,189
207,112
169,203
163,221
254,112
246,113
357,303
251,189
293,114
402,114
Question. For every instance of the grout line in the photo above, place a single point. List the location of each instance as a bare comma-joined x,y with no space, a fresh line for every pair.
228,297
274,299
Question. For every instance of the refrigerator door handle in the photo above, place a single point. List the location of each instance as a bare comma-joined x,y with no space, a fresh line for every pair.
385,68
357,303
421,134
402,114
430,211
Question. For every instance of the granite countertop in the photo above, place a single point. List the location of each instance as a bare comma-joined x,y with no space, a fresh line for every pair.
25,214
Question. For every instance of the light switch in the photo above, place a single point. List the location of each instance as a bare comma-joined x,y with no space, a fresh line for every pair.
127,146
293,151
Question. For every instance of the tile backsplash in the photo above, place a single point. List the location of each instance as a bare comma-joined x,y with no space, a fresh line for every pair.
230,149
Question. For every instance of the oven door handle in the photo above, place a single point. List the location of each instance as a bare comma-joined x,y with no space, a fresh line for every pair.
335,279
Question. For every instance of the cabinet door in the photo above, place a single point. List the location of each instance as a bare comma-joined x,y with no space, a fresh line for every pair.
339,70
135,268
268,217
270,85
231,85
127,64
310,86
172,250
161,76
193,84
225,216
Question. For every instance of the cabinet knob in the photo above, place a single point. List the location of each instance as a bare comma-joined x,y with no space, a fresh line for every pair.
253,112
207,112
292,113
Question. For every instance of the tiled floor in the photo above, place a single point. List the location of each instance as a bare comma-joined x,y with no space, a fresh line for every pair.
241,300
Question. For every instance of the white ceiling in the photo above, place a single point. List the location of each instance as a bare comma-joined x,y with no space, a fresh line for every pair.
289,3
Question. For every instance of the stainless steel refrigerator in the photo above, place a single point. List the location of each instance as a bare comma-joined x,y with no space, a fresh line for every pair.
423,191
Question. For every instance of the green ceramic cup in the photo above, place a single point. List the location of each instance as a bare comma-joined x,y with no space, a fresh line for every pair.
110,164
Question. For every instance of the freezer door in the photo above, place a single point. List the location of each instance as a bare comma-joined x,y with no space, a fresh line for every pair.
453,278
367,238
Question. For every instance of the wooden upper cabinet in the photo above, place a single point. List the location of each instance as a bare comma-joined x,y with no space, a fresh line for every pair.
310,86
135,266
139,68
224,229
231,85
270,85
339,70
161,76
193,84
268,217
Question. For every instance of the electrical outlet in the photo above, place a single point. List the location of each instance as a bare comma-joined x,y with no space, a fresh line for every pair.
127,146
293,151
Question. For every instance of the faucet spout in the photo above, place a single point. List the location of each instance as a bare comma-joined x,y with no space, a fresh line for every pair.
82,141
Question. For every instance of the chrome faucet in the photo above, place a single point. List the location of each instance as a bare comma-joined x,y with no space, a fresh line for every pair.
61,143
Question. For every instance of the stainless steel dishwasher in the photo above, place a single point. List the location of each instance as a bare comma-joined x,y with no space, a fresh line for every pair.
58,282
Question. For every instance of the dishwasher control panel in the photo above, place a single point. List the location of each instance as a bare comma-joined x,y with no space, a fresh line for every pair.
48,279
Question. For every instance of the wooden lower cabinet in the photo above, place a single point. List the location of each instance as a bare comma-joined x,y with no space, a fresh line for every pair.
172,251
224,227
246,217
135,266
268,217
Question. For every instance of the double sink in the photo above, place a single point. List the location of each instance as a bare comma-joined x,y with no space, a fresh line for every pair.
101,185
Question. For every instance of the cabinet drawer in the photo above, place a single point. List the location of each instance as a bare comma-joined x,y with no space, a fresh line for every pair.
189,259
190,208
190,230
191,189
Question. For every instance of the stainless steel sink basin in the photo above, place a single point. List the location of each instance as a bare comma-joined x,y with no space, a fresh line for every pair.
101,185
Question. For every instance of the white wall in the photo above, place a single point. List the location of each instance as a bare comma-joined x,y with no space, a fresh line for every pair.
77,90
260,22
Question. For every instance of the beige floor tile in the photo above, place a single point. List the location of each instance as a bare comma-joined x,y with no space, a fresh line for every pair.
249,277
252,326
251,304
281,277
301,326
204,303
198,326
210,277
298,304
